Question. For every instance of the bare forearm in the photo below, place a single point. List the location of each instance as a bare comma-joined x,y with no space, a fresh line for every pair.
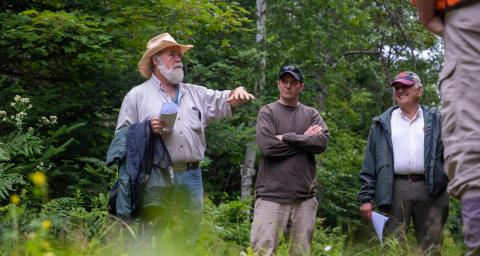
426,11
428,17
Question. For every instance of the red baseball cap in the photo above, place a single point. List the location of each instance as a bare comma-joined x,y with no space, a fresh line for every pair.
407,79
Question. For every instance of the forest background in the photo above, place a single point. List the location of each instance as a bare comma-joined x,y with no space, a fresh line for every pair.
65,67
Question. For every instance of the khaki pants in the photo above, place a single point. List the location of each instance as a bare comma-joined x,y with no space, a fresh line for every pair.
460,92
271,220
411,200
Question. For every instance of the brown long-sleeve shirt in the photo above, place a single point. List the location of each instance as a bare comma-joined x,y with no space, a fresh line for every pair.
287,169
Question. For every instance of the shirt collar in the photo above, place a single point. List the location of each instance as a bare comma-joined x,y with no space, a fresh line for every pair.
419,114
158,86
156,82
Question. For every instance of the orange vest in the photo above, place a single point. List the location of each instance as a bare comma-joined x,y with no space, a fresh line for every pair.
442,5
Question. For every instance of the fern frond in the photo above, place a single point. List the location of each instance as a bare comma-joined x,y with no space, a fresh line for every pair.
4,153
9,180
26,144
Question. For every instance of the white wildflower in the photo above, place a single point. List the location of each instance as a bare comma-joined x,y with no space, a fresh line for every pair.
21,114
40,166
17,98
19,118
30,106
24,100
3,113
19,123
12,104
53,119
45,120
30,129
327,248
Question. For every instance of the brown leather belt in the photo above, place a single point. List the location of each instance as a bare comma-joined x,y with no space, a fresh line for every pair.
411,177
185,166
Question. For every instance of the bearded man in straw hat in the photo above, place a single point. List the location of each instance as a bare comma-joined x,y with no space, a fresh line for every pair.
198,106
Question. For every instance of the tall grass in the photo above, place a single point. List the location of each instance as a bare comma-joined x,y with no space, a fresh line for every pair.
65,228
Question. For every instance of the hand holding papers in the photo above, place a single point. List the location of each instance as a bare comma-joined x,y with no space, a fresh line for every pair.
379,221
168,115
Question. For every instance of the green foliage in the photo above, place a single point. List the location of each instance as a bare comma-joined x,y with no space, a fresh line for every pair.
327,241
225,149
340,166
73,61
232,220
23,151
9,180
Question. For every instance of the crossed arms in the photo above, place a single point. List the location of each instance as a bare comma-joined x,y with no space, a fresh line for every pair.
313,140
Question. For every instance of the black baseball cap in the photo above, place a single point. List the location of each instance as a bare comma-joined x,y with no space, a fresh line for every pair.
292,70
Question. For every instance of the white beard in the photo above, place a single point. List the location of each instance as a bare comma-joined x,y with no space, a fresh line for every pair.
174,75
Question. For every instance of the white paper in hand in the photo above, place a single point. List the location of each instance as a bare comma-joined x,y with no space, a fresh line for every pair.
379,221
168,115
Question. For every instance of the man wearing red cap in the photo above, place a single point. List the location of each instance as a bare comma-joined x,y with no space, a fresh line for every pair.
402,172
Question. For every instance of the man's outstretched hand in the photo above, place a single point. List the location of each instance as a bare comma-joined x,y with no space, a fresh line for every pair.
239,96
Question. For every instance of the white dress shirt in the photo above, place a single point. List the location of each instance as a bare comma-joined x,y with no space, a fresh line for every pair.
408,139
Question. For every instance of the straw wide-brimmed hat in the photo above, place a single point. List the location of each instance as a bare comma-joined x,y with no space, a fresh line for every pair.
155,45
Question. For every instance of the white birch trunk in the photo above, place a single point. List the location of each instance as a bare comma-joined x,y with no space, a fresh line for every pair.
248,170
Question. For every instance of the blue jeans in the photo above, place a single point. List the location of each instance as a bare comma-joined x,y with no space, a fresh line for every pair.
178,207
191,183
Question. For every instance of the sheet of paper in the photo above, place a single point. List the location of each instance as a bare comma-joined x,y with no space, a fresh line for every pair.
168,114
379,221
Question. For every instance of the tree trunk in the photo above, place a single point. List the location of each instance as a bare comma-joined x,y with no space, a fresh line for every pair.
260,39
248,170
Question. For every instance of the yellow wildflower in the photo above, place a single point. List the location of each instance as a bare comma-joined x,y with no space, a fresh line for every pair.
15,199
45,245
46,224
39,179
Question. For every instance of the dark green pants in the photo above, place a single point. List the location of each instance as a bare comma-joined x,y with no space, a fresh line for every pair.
411,201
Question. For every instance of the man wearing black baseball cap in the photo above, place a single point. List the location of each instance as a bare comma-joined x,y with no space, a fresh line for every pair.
289,134
292,70
402,172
